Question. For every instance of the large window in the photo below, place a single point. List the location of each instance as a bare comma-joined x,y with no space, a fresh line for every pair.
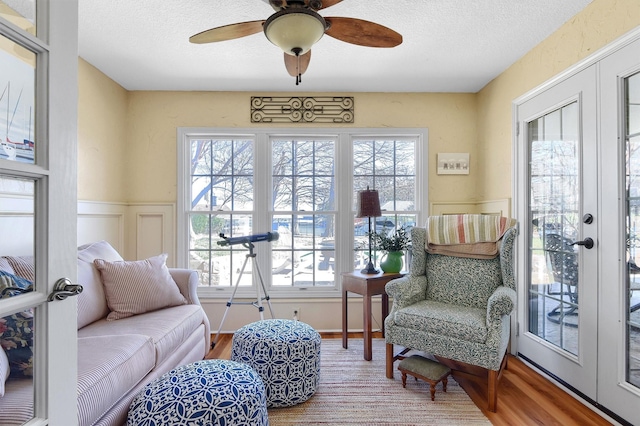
299,184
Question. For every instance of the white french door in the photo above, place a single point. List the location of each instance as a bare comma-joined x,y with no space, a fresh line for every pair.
619,324
578,202
38,166
557,175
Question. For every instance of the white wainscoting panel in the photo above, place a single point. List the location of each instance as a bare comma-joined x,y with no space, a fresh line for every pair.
99,221
136,231
500,207
152,231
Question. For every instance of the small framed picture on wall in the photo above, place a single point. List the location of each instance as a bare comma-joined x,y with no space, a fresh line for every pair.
453,163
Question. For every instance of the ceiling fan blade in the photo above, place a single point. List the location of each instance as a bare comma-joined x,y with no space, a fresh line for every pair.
329,3
292,63
362,33
228,32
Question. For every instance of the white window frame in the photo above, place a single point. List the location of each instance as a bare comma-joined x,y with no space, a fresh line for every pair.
262,190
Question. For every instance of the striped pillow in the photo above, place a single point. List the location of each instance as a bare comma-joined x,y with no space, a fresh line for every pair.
136,287
23,266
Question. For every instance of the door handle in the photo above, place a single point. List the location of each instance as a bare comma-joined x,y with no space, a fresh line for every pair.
63,289
587,243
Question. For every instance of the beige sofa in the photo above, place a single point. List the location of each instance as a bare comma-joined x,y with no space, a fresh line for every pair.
130,331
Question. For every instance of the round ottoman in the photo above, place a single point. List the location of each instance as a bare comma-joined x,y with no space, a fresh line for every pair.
285,353
210,392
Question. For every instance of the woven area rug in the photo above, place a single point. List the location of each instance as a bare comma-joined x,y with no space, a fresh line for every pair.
354,391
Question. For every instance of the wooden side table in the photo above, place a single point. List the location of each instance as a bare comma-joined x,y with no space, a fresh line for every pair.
366,285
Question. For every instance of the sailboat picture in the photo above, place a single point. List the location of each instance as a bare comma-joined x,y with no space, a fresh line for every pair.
17,97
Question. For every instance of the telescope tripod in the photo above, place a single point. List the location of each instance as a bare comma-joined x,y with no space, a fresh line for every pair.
258,303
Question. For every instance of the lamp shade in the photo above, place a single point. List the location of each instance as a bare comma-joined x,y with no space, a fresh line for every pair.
368,203
295,30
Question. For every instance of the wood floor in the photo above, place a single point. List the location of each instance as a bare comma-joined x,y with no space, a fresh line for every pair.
524,396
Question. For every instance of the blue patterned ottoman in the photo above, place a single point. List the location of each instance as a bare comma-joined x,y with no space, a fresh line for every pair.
285,353
210,392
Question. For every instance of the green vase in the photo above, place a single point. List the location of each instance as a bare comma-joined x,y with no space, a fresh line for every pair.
392,262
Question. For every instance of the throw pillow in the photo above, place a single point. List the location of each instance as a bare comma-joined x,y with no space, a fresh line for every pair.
16,331
5,265
23,266
136,287
4,370
98,250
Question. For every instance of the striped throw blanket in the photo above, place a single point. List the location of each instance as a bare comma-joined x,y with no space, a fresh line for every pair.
466,235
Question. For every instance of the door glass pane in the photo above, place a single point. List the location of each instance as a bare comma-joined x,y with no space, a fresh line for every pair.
21,13
632,293
17,277
554,212
17,100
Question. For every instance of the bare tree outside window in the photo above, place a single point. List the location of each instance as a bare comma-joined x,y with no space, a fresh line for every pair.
389,166
303,197
245,183
221,202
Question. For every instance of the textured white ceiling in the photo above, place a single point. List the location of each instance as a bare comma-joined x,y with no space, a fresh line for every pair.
448,46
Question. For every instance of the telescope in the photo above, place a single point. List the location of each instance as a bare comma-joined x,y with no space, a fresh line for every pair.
248,239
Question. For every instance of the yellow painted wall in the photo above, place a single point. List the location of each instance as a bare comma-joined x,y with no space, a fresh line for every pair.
600,23
127,140
102,136
155,116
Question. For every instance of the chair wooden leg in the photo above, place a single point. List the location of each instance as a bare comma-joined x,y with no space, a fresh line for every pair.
492,390
390,360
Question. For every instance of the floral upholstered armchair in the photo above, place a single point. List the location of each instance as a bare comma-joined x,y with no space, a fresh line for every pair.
456,309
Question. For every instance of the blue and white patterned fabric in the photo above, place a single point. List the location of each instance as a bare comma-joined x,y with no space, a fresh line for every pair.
285,353
210,392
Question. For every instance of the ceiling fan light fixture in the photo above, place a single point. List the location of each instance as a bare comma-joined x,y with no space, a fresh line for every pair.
295,31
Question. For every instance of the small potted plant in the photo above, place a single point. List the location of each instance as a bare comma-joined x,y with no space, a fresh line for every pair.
393,244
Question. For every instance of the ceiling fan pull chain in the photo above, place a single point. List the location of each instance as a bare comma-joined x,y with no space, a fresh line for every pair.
296,51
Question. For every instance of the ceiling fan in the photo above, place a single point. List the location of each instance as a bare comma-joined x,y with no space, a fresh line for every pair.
296,27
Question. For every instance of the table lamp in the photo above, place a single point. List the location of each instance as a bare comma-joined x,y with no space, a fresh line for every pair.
369,206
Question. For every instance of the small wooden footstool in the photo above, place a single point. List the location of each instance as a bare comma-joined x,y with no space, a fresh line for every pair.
425,369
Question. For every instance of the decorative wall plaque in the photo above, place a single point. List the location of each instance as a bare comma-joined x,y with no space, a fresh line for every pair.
453,163
302,109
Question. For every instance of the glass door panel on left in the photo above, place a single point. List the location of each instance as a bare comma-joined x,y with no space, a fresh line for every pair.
17,101
17,313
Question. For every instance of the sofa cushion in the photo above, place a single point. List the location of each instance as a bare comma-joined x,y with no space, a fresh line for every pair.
92,302
108,368
98,250
464,323
4,370
16,407
139,286
168,328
